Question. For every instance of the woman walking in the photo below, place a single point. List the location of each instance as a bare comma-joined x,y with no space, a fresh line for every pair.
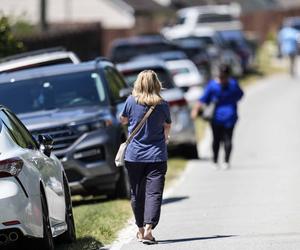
225,92
146,154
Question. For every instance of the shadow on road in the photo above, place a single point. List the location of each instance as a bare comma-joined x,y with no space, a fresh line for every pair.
194,239
174,199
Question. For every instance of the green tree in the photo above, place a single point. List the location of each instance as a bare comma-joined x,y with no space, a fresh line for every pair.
8,43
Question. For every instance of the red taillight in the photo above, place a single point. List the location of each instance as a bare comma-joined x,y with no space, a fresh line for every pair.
10,167
11,223
179,102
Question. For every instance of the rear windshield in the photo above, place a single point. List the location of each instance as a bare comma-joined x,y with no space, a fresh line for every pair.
126,52
54,92
163,76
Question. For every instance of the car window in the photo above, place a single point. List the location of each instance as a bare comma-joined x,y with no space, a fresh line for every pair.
124,53
115,83
214,17
53,92
18,132
162,74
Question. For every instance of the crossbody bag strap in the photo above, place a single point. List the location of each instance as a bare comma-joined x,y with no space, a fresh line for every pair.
141,123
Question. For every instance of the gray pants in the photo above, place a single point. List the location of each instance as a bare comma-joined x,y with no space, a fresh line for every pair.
147,184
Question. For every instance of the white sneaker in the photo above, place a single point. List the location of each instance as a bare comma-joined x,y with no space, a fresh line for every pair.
216,166
225,166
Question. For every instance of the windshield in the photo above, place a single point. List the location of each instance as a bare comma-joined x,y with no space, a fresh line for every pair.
163,76
232,35
126,52
54,92
180,20
214,17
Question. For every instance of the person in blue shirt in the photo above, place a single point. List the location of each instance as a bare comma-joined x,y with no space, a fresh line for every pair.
226,93
288,43
146,155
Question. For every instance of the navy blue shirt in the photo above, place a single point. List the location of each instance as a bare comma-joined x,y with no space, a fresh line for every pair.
226,98
148,145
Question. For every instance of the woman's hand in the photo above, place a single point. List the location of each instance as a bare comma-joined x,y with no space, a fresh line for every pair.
167,127
195,111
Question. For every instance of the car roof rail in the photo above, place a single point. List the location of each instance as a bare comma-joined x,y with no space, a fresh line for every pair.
32,53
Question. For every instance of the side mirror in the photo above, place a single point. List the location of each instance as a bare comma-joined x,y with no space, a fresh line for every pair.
125,92
46,144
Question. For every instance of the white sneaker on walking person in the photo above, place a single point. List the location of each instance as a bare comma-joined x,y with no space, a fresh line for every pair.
215,165
225,166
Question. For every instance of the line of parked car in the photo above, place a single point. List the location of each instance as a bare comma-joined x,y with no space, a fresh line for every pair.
59,126
64,139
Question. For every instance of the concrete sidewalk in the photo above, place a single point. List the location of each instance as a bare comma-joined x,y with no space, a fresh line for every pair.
256,204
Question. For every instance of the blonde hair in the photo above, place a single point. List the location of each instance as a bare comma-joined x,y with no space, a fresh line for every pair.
146,89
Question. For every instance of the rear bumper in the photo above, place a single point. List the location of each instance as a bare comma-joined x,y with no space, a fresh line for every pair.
15,206
182,129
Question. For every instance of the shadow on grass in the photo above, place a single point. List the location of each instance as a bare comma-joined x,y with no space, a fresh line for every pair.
194,239
85,243
89,201
187,151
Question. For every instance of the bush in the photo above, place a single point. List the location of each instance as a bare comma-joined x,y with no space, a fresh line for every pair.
8,44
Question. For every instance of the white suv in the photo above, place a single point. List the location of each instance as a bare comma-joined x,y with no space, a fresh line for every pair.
218,17
37,58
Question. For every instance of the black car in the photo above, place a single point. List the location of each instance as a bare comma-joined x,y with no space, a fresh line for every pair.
78,105
123,50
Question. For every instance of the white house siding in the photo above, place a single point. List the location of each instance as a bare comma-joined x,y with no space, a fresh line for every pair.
111,14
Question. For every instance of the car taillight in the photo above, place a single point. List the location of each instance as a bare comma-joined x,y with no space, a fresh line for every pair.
179,102
10,167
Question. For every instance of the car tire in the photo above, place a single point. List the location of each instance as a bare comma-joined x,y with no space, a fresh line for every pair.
70,235
47,242
123,187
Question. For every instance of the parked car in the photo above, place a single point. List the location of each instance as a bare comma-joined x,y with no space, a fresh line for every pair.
197,52
123,50
185,73
37,58
236,40
35,199
218,17
219,50
182,130
164,56
78,105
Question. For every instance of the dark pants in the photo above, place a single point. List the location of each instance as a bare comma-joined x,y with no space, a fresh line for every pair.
147,184
292,58
221,134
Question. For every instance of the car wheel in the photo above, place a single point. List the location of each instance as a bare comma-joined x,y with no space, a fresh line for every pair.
47,242
123,186
70,235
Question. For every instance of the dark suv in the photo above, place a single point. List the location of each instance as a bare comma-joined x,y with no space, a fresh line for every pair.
78,105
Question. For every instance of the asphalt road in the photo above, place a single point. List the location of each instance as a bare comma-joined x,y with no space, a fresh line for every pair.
256,204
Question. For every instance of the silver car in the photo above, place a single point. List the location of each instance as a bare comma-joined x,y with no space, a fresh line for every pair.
34,193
